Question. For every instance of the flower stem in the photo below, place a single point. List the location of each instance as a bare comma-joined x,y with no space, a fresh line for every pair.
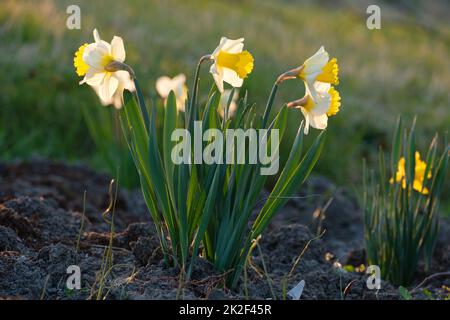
140,99
288,75
191,112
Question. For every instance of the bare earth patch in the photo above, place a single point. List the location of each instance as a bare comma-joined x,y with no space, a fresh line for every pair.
41,209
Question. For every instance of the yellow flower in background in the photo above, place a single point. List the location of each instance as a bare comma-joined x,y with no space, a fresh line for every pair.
176,84
316,111
231,64
224,101
419,174
320,68
95,61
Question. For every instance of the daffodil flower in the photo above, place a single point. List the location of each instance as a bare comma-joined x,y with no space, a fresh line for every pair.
316,111
101,64
176,84
320,68
224,98
231,64
419,174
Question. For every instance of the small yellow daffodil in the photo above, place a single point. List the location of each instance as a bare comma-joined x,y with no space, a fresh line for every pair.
176,84
419,174
231,64
316,111
101,65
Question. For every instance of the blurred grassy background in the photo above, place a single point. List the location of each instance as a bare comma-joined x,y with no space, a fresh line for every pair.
401,69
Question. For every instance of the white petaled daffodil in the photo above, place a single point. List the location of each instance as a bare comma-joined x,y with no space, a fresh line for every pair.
176,84
224,98
320,68
231,64
101,64
316,111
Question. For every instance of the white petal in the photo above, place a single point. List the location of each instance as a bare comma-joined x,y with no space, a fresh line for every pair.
108,88
322,87
321,97
322,106
232,109
231,77
219,47
217,74
224,101
181,104
316,62
99,41
97,91
233,46
125,80
179,80
319,122
117,99
311,90
96,36
163,86
95,78
219,81
180,92
306,115
118,49
93,56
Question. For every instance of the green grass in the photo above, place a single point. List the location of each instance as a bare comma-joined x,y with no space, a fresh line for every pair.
402,68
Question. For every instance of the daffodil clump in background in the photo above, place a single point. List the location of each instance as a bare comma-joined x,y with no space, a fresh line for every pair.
401,207
205,209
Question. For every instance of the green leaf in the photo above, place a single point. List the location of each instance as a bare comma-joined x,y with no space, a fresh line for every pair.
206,214
396,146
170,124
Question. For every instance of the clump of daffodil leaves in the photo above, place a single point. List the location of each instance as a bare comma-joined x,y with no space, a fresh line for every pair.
401,204
205,209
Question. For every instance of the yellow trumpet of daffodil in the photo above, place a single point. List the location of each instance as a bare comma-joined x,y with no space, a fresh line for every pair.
419,174
230,63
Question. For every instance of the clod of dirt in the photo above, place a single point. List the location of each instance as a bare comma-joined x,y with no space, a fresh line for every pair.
9,241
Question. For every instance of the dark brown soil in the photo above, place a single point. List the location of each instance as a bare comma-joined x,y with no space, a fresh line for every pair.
41,211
